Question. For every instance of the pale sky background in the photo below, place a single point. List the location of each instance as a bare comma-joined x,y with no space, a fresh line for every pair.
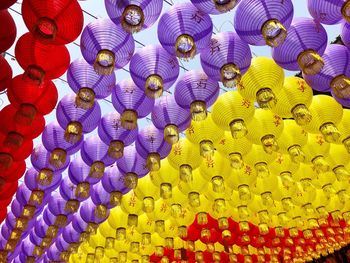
222,23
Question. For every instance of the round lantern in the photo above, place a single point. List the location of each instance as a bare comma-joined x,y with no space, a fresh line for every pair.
70,192
92,213
345,33
112,133
31,98
101,197
215,7
131,102
184,30
76,121
5,74
263,22
57,22
329,12
54,141
154,70
41,61
167,115
16,145
113,183
106,46
197,92
134,15
32,181
150,144
303,47
8,30
335,75
221,62
87,84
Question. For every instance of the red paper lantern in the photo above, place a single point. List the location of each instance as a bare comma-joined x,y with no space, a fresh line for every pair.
5,74
14,144
31,97
10,170
8,30
8,189
41,60
4,4
53,21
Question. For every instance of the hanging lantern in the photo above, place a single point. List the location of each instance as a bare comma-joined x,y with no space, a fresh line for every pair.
303,47
154,70
335,75
6,4
31,180
8,30
196,92
15,145
41,61
5,74
10,169
215,7
112,133
94,152
87,84
329,12
134,15
167,115
131,102
76,121
101,197
36,198
58,207
113,183
263,22
68,191
91,213
115,46
54,142
184,30
150,144
345,33
57,22
222,63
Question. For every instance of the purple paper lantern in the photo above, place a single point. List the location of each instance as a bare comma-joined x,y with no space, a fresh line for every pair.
154,70
87,84
106,46
184,30
76,121
42,229
53,254
263,22
167,115
100,196
329,12
113,181
112,133
59,207
54,141
82,227
345,33
226,58
303,47
215,7
196,92
134,15
35,198
335,73
132,166
344,102
92,213
29,211
29,250
32,179
150,144
70,192
131,102
95,154
70,234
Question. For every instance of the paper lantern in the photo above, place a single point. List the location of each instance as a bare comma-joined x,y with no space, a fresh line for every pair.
6,4
328,13
6,74
8,31
215,7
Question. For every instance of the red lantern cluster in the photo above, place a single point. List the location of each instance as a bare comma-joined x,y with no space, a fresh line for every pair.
43,56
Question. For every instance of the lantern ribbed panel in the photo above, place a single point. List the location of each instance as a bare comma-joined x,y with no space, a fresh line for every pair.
40,159
53,137
166,111
327,12
320,106
110,129
79,171
150,8
252,14
104,34
57,204
345,33
227,145
67,112
207,6
151,140
8,30
17,210
344,102
54,60
185,152
132,162
303,34
49,217
67,190
93,150
61,244
17,153
113,180
231,50
27,247
127,96
78,223
70,235
336,59
36,240
87,213
5,74
184,18
30,180
23,196
67,15
195,85
53,253
153,59
82,75
100,196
